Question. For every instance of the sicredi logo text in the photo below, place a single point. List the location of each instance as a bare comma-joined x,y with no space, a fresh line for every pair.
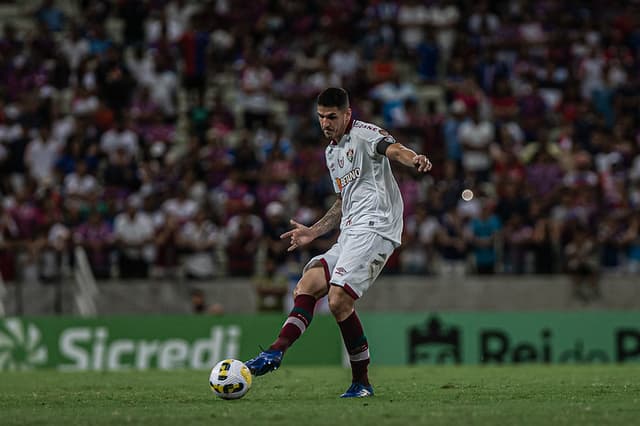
91,348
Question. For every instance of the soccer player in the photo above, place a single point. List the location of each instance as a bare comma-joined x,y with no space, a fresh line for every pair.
368,210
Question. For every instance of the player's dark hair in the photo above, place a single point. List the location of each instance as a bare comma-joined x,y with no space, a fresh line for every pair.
334,97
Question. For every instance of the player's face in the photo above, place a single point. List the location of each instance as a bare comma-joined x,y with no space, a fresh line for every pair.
333,121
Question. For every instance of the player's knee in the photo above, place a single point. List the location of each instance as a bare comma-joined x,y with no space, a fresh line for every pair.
334,305
315,291
297,292
312,282
340,304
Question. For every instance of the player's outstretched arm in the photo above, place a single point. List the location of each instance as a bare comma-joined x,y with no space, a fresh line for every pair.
301,235
408,157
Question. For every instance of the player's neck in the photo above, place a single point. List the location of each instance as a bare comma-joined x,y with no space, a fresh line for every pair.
346,130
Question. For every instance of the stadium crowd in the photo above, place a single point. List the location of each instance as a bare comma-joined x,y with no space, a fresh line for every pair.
158,134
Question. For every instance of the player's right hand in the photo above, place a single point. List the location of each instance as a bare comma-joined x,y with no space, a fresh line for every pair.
299,235
422,163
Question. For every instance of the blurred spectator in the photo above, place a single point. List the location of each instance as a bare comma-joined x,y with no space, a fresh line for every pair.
485,235
199,304
198,241
412,19
429,59
544,175
323,76
518,234
245,162
133,14
476,136
245,231
75,47
582,264
166,229
133,234
451,131
222,118
452,240
256,80
513,201
79,184
120,139
503,103
121,173
50,15
609,238
96,237
383,66
444,16
114,80
54,252
544,239
391,96
8,237
276,223
532,109
41,154
178,14
345,61
483,22
631,239
273,185
193,45
421,231
141,63
163,84
179,206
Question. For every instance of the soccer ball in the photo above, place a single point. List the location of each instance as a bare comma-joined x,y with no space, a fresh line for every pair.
230,379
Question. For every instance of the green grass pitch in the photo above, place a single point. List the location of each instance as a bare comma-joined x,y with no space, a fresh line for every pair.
468,395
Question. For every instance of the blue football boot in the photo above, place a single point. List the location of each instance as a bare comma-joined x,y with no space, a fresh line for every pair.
265,362
358,390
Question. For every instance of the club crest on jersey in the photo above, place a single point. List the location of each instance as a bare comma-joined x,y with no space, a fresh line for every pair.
350,155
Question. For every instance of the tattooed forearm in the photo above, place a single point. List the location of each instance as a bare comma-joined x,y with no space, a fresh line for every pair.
330,220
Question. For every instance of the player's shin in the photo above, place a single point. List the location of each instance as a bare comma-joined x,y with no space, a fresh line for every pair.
296,323
357,346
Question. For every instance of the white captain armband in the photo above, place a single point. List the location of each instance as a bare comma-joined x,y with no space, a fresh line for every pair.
383,144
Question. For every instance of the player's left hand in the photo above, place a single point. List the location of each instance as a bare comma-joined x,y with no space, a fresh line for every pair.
422,163
298,236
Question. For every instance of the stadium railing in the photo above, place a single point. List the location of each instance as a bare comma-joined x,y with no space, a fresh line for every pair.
86,289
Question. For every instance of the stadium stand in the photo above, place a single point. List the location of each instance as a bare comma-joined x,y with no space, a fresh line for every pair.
170,140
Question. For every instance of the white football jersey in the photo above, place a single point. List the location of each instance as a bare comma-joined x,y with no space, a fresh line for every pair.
371,199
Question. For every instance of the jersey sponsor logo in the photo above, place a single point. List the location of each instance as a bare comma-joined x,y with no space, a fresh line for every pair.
350,155
345,180
341,162
361,125
340,270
